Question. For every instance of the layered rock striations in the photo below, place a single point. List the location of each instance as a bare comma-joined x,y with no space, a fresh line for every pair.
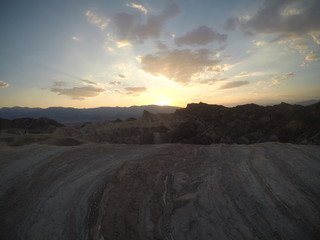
167,191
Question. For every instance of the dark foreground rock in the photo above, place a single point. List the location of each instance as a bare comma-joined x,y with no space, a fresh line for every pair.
30,125
168,191
206,124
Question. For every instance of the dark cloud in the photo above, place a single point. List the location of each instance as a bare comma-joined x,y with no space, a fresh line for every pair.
284,17
88,82
124,24
234,84
135,90
202,35
78,93
121,76
129,28
231,24
179,65
4,84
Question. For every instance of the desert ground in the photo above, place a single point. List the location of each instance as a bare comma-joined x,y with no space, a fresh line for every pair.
165,191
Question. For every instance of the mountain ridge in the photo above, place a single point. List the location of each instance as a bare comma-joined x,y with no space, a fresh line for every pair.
77,115
198,123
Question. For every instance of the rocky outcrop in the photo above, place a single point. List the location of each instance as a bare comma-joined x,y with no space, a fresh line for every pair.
248,124
206,124
169,191
39,125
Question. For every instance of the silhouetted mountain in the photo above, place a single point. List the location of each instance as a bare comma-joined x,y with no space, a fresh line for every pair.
75,115
307,102
204,124
248,124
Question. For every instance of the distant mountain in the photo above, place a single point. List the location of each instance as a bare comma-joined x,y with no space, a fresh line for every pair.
75,115
307,102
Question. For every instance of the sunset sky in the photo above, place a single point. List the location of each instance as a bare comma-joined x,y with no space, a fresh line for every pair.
94,53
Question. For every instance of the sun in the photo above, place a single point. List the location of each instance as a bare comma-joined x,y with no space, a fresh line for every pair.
163,102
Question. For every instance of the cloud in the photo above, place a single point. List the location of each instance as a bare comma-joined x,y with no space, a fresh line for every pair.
128,27
259,43
277,80
88,82
234,84
78,93
4,84
210,81
284,17
138,6
313,56
58,84
121,76
248,74
202,35
315,36
296,43
123,43
115,83
135,90
75,38
94,18
231,23
181,66
161,46
124,24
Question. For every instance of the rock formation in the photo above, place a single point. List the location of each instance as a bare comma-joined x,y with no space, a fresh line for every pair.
167,191
196,124
206,124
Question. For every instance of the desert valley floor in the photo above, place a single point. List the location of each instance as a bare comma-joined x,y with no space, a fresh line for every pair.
165,191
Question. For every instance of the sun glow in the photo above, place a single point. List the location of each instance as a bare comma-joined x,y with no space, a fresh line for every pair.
163,102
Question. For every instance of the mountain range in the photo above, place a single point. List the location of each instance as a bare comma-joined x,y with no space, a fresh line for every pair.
198,123
78,115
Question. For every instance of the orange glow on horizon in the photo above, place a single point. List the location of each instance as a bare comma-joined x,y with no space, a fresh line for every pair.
163,102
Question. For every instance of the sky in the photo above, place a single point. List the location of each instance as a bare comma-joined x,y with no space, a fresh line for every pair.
95,53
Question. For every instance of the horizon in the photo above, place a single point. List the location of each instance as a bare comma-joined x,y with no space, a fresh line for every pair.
303,103
91,54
